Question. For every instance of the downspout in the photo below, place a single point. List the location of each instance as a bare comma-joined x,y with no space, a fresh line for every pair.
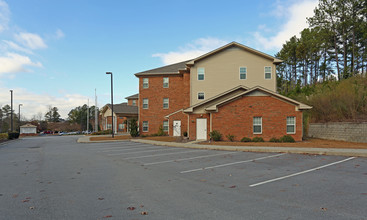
188,126
211,120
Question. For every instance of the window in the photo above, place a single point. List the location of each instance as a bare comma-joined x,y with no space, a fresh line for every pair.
201,73
121,126
165,103
165,82
145,83
268,72
291,125
134,102
243,72
257,125
145,103
200,95
165,126
145,126
109,126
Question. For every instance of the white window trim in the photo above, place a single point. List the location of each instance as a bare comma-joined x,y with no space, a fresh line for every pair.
198,73
293,124
142,126
146,103
167,82
261,125
239,72
167,126
133,102
167,103
147,83
271,72
197,96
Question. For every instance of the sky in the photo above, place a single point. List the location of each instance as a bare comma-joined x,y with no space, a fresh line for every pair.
56,53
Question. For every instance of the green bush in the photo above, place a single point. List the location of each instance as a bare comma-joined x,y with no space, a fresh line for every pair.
246,139
102,132
287,139
13,135
4,136
215,135
160,131
276,140
230,137
257,139
133,125
185,134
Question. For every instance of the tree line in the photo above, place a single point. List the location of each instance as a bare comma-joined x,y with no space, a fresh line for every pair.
332,47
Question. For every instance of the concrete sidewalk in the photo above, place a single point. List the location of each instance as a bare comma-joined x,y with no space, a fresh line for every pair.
293,150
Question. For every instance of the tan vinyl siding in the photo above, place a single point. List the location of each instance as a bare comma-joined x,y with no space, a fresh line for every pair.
222,72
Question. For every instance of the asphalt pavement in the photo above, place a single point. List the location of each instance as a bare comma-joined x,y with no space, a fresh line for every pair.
58,178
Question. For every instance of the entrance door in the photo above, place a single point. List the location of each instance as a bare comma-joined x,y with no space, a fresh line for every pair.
201,129
176,128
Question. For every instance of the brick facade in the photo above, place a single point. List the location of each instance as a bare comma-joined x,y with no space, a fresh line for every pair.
236,118
177,93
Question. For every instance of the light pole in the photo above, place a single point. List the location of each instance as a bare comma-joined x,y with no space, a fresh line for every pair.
11,111
19,116
110,73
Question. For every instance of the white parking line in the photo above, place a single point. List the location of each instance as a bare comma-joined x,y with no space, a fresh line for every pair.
127,149
157,155
303,172
229,164
190,158
142,151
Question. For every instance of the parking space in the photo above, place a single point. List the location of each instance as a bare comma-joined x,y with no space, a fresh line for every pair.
245,169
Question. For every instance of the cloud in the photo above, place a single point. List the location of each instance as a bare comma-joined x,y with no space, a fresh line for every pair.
32,41
14,46
59,34
191,50
34,103
4,15
13,63
296,15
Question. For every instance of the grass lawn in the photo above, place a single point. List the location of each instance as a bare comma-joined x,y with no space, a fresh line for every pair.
109,138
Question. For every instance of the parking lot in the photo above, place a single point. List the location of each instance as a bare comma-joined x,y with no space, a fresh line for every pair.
332,187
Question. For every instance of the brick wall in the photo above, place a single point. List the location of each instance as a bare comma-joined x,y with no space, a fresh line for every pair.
344,131
178,94
236,118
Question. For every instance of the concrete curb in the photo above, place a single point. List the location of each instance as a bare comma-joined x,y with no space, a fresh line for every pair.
317,151
265,149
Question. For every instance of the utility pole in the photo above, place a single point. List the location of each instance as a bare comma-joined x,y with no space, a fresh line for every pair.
19,116
11,111
95,112
110,73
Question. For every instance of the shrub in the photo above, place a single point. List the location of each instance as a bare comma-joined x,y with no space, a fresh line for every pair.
13,135
230,137
287,138
215,135
276,140
185,134
102,132
133,125
246,139
4,136
257,139
160,131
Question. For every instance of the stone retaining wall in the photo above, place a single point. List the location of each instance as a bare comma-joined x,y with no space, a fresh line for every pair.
344,131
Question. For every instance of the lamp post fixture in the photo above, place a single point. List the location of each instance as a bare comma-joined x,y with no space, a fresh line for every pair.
110,73
11,111
19,116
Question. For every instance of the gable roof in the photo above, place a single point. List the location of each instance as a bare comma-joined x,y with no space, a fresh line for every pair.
240,87
235,44
300,105
122,108
176,67
135,96
218,100
28,126
169,69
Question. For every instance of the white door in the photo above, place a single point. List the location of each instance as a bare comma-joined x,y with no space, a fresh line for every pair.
201,129
176,128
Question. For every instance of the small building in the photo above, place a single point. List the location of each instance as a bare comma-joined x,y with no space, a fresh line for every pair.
28,129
